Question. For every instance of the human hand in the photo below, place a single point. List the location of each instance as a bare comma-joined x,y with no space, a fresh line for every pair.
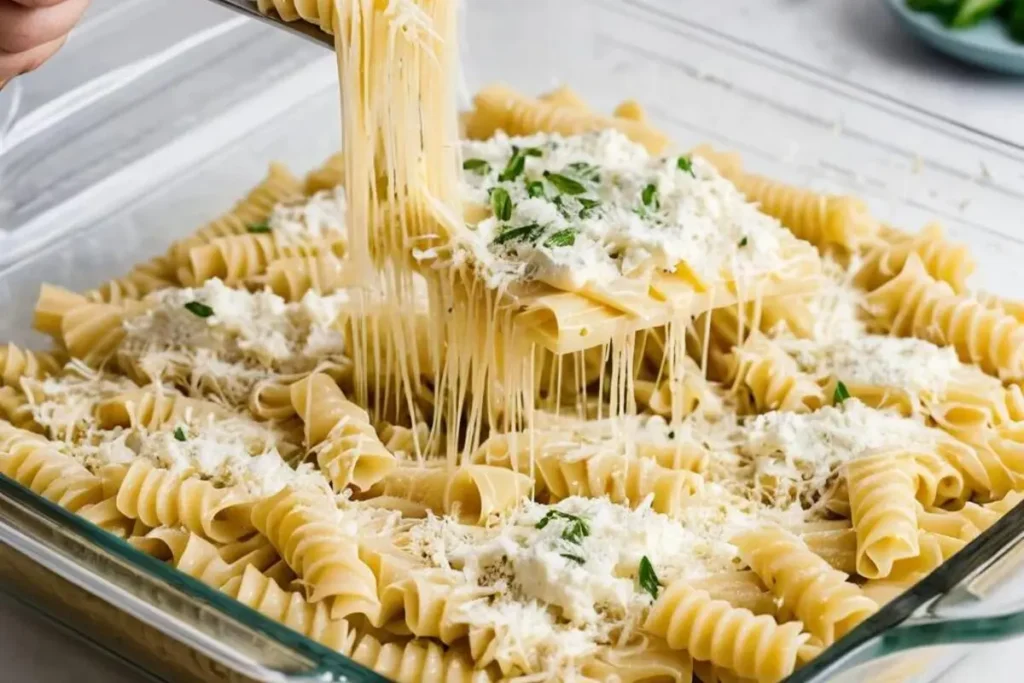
31,31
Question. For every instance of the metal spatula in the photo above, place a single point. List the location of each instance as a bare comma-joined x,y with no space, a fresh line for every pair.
299,28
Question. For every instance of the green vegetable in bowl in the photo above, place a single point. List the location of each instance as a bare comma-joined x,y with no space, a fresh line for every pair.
959,14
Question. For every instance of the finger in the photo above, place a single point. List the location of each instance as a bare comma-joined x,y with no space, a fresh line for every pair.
23,28
38,3
12,65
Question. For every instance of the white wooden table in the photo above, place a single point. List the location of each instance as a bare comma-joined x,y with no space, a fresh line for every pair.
851,40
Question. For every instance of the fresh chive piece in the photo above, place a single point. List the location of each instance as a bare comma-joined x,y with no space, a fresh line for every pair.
647,578
565,184
258,228
562,238
650,196
179,434
501,203
199,309
685,164
535,188
526,233
478,166
840,394
532,152
743,242
574,558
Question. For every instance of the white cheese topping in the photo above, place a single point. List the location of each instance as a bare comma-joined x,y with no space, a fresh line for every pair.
799,453
901,362
564,579
231,336
595,207
317,217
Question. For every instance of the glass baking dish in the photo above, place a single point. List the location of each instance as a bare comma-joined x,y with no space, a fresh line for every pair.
160,113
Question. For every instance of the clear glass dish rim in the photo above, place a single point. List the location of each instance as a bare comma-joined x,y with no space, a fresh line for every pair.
327,662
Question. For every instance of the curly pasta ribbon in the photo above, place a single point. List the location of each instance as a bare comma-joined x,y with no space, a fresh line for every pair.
714,631
818,595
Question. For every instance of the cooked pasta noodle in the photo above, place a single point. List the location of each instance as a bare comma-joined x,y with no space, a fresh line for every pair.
541,404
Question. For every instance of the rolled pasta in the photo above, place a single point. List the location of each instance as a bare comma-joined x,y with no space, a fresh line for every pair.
164,498
39,466
302,526
819,596
472,493
346,445
823,220
278,186
714,631
913,304
16,363
883,508
944,260
766,378
498,107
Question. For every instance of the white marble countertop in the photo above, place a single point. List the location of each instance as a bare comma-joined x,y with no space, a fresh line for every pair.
853,41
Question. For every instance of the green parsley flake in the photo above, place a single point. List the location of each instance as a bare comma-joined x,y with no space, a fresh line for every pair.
575,531
743,242
573,558
685,164
199,309
535,188
478,166
501,204
840,394
562,238
647,578
258,228
586,171
650,196
179,434
565,184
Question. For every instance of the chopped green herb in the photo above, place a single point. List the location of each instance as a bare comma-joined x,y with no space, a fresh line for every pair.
514,168
574,558
526,233
532,152
565,184
743,242
650,196
586,171
685,164
574,532
840,394
478,166
588,206
647,578
179,434
562,238
672,434
258,228
196,308
501,203
535,188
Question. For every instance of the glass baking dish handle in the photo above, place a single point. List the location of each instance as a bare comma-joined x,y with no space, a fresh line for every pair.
975,597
